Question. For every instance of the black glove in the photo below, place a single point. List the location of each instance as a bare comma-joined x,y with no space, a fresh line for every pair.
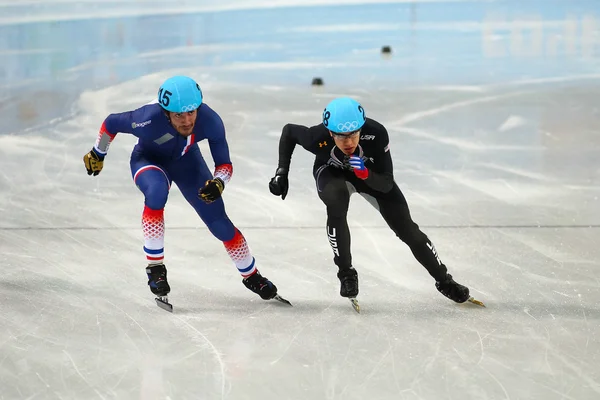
93,162
279,184
212,190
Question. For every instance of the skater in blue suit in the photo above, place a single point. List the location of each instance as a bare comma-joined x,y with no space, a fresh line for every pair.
168,131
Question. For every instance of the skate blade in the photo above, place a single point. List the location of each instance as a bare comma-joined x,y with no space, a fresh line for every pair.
355,304
475,301
281,299
163,302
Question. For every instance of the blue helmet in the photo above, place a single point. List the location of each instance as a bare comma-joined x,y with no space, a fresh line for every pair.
180,94
344,115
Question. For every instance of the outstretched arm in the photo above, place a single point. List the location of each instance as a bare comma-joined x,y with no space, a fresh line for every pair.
290,136
114,123
124,122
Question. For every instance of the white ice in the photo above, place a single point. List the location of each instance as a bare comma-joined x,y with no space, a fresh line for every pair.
497,156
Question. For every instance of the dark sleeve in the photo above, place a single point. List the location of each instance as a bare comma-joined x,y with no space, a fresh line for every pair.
381,175
291,135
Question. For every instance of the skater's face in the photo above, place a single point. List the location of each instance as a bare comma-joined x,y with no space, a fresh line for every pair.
346,142
184,122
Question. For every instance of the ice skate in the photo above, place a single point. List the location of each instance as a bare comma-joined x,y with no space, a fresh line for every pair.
455,291
157,280
349,286
263,287
348,282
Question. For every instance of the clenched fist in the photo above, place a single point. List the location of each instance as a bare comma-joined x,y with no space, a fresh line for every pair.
212,190
93,162
279,184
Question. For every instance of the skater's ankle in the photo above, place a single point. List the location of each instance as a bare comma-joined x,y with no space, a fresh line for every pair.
444,278
348,271
253,275
155,263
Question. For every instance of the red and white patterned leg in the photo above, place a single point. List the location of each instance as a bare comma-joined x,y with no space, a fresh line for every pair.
238,251
153,224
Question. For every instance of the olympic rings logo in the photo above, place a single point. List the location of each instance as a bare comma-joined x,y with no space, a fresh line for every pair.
190,107
348,126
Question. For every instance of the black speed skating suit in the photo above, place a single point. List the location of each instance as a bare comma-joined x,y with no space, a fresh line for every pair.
336,181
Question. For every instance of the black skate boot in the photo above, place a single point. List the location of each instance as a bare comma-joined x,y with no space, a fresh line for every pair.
261,286
157,279
349,282
452,290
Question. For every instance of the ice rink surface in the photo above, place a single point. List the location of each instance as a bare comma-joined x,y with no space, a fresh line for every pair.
492,110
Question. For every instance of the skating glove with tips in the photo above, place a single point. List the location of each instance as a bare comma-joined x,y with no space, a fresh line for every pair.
212,190
279,184
93,162
358,165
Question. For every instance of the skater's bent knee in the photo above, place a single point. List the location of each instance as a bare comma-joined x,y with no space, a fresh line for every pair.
156,199
335,197
222,229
